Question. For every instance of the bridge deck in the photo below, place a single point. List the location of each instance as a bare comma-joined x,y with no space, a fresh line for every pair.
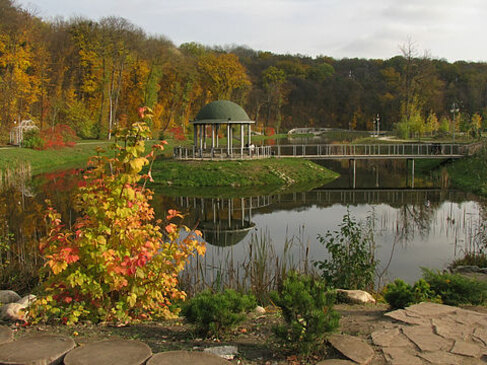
332,151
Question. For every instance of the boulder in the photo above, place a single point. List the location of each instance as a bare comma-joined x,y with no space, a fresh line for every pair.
12,312
259,310
354,296
6,334
27,300
8,296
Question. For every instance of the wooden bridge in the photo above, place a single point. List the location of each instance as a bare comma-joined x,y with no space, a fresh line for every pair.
332,151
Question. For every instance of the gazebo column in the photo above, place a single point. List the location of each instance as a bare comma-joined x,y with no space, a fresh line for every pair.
201,137
195,130
242,140
229,139
217,130
250,134
204,136
212,136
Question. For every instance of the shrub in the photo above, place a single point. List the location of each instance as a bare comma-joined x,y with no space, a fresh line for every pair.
400,294
307,308
32,139
115,263
352,250
59,136
214,313
455,289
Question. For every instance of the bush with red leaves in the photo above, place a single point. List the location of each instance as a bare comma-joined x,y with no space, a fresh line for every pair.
58,136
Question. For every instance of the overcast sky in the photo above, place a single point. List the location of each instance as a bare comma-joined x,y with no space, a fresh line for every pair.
450,29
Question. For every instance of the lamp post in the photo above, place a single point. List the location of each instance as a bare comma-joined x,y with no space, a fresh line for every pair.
454,109
377,119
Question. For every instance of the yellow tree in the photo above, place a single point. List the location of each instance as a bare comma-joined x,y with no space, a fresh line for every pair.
224,77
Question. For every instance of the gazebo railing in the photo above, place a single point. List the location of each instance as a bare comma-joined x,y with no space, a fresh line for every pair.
223,153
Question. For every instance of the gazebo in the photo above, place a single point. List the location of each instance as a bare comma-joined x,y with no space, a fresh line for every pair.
221,116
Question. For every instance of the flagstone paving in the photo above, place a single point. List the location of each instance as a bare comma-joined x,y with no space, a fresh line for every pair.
422,334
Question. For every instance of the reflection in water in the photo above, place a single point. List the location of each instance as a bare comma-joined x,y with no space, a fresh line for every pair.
426,226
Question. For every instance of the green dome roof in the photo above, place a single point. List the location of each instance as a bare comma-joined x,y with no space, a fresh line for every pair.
222,110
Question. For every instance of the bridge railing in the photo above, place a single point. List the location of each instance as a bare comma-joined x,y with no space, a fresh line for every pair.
223,153
365,150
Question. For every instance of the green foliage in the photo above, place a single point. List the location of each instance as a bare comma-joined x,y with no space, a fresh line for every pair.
79,118
215,313
400,294
307,309
402,130
473,258
115,263
470,173
455,289
32,139
352,260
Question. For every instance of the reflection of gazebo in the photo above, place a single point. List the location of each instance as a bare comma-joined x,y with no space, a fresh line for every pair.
17,132
220,116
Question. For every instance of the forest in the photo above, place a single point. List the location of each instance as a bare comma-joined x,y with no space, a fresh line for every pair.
93,75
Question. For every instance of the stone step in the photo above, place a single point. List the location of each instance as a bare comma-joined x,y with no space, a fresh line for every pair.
108,352
186,358
38,350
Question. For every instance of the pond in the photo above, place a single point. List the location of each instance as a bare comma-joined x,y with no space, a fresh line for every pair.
254,237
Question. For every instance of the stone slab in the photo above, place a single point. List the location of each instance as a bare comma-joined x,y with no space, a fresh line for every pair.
442,358
336,362
480,334
389,338
426,340
401,356
38,350
466,349
6,334
448,328
352,348
186,358
427,309
108,352
409,318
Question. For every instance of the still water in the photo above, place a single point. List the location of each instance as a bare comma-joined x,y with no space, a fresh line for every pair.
427,226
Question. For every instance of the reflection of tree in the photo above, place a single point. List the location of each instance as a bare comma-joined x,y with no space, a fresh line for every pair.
415,219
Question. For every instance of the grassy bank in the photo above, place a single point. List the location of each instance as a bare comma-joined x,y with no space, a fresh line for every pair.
57,159
470,173
251,174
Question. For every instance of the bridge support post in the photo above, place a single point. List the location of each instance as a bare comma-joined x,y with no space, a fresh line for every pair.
412,174
353,164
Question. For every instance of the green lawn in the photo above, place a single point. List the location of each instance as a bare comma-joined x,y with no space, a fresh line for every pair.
56,159
254,173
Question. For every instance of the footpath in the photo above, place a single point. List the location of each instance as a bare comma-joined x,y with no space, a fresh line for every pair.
425,333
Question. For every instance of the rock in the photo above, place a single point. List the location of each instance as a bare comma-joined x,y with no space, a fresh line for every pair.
465,269
426,340
428,309
186,358
466,349
389,337
353,348
38,350
6,334
400,356
260,310
27,300
336,362
355,296
8,296
12,312
225,352
119,352
405,317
